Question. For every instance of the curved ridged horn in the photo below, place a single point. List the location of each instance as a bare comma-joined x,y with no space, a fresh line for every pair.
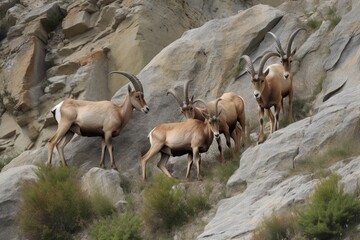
264,59
133,79
172,92
249,66
186,91
279,47
201,101
291,39
216,106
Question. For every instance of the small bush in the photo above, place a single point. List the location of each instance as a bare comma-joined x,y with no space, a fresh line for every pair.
124,226
222,172
54,206
331,211
277,226
167,205
101,205
314,24
333,16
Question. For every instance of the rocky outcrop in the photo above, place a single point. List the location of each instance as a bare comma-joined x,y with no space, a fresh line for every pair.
92,39
10,198
77,63
106,183
264,169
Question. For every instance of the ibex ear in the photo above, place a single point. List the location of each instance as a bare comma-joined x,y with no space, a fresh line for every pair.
129,89
267,70
220,112
293,52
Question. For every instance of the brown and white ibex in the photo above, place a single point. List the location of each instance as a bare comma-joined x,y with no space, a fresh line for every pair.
286,59
191,137
91,119
233,112
267,90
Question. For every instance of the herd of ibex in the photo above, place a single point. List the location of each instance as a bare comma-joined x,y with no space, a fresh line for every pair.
224,115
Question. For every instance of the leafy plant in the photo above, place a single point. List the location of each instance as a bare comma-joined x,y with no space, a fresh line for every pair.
166,204
125,226
54,206
101,205
331,211
333,17
314,24
222,172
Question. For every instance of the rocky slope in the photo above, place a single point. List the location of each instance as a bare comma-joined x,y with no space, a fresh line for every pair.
70,53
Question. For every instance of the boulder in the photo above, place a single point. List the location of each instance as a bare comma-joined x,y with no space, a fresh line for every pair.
106,183
14,13
76,22
10,197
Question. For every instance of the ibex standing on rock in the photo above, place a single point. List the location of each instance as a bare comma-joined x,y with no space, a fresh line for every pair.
91,119
232,108
267,90
191,137
288,76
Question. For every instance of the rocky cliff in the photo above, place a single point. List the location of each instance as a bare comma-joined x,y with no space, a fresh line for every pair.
55,50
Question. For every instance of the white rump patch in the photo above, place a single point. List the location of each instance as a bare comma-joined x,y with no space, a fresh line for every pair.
150,136
57,111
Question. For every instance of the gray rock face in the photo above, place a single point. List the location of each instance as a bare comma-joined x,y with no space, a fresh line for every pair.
106,183
327,57
264,168
10,198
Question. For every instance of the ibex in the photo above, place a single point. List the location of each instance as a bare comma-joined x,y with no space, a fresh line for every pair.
286,59
233,111
267,90
91,119
191,137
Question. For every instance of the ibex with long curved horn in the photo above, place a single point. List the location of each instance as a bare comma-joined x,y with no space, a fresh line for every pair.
267,90
286,60
233,111
191,137
91,119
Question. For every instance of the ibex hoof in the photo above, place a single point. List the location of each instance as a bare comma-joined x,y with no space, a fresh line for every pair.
115,168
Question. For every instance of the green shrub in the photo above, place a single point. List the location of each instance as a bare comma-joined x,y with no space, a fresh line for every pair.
54,206
330,212
277,226
314,24
333,16
167,205
124,226
101,205
222,172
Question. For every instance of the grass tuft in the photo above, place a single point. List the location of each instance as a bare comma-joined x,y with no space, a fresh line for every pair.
333,153
277,226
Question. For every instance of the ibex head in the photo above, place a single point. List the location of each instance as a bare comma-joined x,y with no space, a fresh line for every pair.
286,57
258,79
212,117
186,105
137,95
